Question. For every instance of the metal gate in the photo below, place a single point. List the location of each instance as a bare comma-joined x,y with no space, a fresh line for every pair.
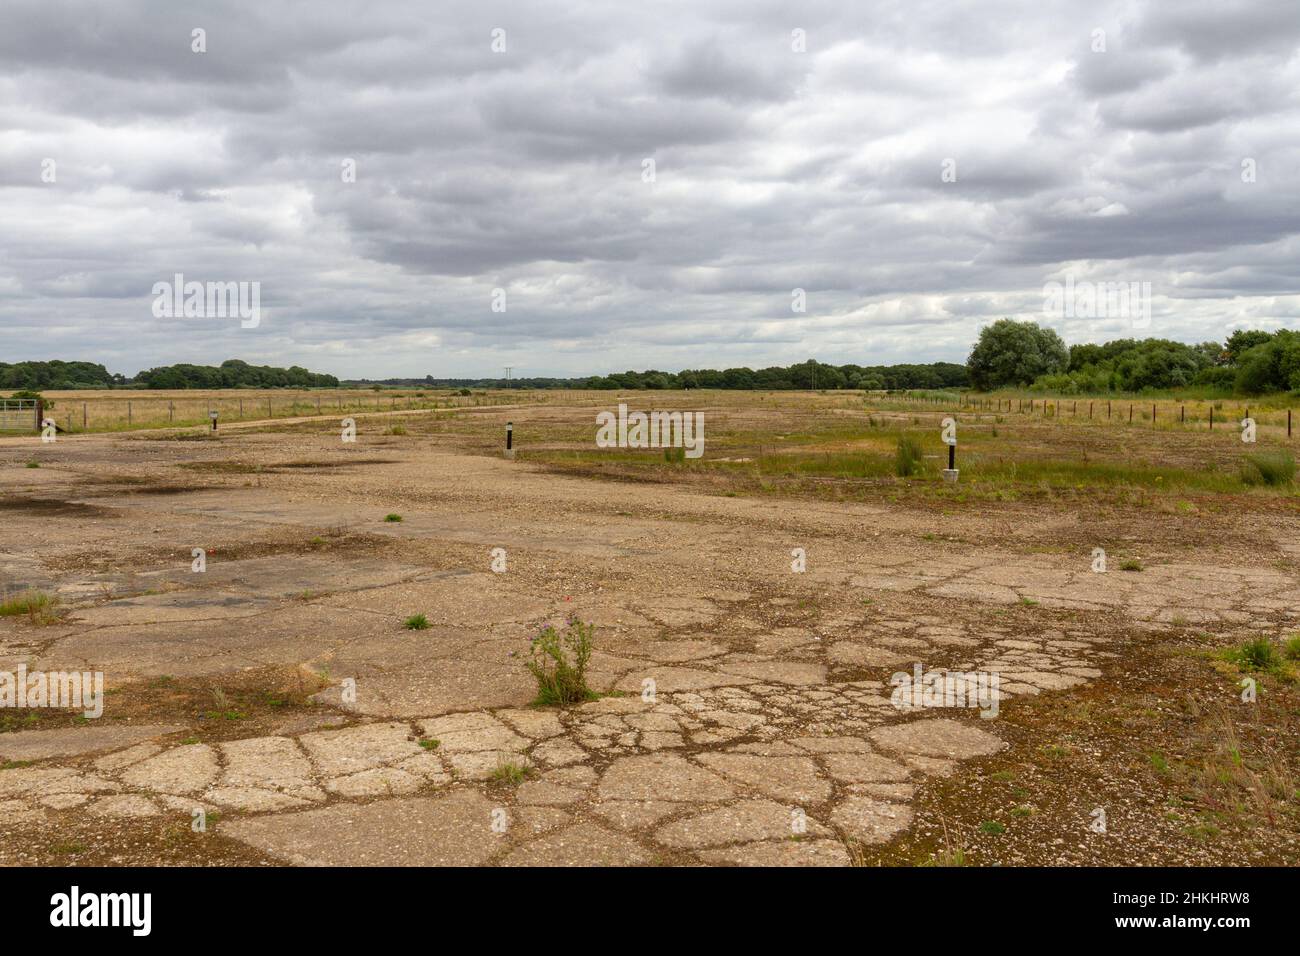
18,415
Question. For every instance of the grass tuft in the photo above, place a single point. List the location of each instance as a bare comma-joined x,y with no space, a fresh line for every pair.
38,606
416,622
1262,656
509,773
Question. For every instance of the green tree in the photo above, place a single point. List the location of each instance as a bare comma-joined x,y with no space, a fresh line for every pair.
1015,353
1242,341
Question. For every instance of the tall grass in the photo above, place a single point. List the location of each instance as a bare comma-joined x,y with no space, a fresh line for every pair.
907,458
1276,467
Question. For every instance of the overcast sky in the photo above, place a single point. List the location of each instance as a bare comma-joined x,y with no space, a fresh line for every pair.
775,168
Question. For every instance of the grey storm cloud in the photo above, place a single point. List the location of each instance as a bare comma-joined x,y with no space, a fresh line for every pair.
646,183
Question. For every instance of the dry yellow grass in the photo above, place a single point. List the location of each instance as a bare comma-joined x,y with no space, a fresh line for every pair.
120,409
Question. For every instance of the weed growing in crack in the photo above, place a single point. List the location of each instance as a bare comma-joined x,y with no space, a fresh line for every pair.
509,773
559,664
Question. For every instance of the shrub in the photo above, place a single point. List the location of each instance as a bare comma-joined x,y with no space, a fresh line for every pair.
29,394
907,460
559,663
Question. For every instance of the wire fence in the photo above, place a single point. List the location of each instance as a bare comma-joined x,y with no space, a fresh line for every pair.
1207,414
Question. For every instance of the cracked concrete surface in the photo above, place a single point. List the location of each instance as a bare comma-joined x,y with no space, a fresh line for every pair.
750,720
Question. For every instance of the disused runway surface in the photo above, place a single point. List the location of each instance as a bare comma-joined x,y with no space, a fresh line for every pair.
755,702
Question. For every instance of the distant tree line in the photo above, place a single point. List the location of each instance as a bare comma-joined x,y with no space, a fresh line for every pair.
56,375
1023,354
233,374
28,376
1008,354
805,375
